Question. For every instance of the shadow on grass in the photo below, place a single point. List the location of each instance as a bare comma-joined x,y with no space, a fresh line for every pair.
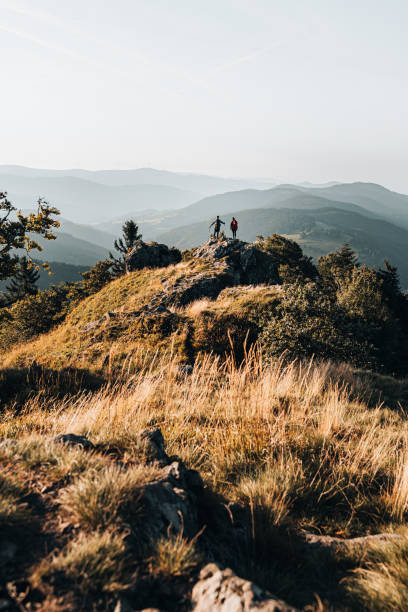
17,385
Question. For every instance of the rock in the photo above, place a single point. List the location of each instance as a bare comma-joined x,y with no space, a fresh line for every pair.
151,255
74,440
171,502
222,591
153,442
250,264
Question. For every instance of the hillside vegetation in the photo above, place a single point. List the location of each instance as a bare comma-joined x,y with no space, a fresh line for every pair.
236,410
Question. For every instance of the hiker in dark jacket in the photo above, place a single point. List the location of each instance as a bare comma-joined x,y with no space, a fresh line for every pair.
217,226
234,227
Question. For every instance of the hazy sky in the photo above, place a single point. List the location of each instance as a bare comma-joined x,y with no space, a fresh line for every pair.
291,90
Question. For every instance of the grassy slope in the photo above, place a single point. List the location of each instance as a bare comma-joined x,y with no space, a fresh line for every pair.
122,339
300,446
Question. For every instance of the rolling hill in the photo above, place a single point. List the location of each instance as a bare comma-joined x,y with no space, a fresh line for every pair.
70,250
153,223
202,184
84,201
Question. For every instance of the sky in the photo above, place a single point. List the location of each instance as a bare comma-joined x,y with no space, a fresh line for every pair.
281,89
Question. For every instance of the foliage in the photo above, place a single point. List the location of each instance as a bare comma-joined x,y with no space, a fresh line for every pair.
24,281
351,313
130,232
307,323
337,267
96,278
36,314
16,230
293,266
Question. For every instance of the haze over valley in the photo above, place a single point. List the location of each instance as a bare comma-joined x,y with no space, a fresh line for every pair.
371,218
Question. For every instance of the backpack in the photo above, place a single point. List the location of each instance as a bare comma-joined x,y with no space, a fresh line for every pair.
234,225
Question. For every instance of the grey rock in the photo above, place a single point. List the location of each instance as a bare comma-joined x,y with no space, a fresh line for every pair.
151,255
222,591
249,263
171,504
74,440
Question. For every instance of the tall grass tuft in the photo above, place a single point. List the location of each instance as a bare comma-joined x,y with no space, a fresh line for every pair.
99,499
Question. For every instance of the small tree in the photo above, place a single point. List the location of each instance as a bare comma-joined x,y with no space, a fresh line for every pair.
123,245
24,281
16,230
337,268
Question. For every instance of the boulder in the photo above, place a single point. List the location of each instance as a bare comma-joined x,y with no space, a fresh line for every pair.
151,255
223,591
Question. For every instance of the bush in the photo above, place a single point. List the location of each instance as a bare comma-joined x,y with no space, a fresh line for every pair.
308,323
293,266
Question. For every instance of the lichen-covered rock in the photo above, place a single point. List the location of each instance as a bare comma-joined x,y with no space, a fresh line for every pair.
222,591
151,255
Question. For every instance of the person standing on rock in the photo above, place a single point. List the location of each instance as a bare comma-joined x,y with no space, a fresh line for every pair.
234,227
217,226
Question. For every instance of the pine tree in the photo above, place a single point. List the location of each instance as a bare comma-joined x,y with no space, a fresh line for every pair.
123,245
336,268
24,281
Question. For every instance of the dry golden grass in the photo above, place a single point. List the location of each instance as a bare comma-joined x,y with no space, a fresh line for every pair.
290,438
100,499
13,512
296,443
174,556
91,562
68,345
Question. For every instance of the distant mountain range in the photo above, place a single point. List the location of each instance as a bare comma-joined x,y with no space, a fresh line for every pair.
170,207
84,201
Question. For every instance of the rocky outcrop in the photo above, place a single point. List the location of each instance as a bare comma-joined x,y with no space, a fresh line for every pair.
234,263
251,265
222,591
151,255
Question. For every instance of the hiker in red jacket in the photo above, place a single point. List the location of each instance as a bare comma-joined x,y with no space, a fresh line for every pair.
234,227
